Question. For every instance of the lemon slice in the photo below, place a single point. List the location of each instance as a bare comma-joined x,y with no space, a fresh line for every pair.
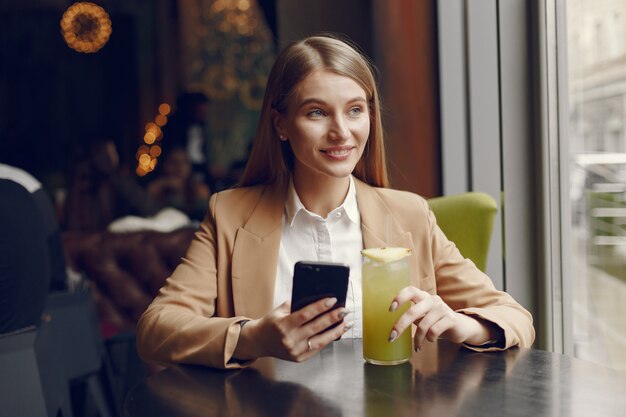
386,255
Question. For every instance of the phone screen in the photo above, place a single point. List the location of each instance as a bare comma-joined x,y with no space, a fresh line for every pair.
313,281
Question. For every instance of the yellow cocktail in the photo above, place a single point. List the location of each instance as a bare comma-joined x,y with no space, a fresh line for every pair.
381,282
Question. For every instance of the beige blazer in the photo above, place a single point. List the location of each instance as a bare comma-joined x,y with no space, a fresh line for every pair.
229,272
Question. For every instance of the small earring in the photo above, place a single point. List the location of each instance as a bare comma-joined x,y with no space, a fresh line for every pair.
282,137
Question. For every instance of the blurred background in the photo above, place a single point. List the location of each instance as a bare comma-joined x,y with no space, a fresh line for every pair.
136,73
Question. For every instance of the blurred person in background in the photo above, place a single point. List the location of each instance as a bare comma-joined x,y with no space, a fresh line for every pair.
100,193
177,187
187,128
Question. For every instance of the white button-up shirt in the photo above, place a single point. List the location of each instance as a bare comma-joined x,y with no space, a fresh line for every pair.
306,236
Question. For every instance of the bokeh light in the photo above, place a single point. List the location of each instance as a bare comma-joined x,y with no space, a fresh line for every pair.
86,27
160,120
164,109
149,138
144,160
155,151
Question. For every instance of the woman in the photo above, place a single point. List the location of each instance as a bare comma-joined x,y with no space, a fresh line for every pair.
314,189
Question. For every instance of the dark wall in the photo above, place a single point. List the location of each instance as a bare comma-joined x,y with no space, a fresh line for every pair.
406,56
352,18
52,97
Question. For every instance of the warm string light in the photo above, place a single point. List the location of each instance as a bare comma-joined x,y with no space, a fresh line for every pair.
86,27
239,52
148,153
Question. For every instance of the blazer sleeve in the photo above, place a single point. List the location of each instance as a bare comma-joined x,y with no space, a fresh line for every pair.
180,326
466,289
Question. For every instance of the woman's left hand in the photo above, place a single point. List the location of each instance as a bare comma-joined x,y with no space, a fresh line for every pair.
434,319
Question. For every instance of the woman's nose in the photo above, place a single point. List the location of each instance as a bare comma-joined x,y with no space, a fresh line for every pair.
339,129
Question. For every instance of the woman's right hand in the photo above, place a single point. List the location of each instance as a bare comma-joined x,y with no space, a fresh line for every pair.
292,336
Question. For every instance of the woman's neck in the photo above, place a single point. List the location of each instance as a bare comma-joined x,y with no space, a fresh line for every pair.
321,195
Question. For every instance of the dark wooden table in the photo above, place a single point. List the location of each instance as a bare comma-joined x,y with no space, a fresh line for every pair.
442,380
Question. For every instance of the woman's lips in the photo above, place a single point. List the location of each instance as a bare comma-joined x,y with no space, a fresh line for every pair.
338,152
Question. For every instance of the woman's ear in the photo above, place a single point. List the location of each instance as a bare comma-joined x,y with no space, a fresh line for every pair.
277,119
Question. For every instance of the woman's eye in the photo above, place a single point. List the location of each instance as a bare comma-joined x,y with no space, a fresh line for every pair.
315,113
355,111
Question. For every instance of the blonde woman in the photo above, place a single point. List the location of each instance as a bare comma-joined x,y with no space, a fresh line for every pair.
315,188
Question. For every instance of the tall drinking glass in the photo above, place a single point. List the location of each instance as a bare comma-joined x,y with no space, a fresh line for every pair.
381,282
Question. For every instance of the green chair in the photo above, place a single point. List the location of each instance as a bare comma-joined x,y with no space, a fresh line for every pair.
467,220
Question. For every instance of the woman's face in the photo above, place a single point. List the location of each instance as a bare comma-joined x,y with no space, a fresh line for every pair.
327,125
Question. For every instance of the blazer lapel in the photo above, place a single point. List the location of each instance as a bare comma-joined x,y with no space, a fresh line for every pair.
255,255
374,214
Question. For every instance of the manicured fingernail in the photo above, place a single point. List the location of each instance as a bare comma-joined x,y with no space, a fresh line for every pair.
417,348
330,302
393,306
347,327
343,314
393,336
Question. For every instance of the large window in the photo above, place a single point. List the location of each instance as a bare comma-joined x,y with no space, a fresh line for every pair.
596,143
537,117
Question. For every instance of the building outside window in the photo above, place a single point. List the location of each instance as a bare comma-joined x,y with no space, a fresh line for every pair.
596,136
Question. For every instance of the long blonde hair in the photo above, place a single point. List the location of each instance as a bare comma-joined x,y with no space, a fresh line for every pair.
271,160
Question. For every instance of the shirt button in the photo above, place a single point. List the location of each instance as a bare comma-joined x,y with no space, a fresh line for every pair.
338,214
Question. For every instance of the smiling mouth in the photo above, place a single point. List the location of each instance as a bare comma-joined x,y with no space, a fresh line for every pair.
337,152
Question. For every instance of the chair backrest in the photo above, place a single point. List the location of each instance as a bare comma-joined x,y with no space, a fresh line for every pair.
467,220
58,278
24,264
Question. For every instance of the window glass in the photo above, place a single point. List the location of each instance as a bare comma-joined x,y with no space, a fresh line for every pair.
597,146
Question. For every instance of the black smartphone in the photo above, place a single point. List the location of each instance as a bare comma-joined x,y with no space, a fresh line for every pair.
313,281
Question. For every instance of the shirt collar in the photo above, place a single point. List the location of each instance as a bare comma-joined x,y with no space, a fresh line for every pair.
293,205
